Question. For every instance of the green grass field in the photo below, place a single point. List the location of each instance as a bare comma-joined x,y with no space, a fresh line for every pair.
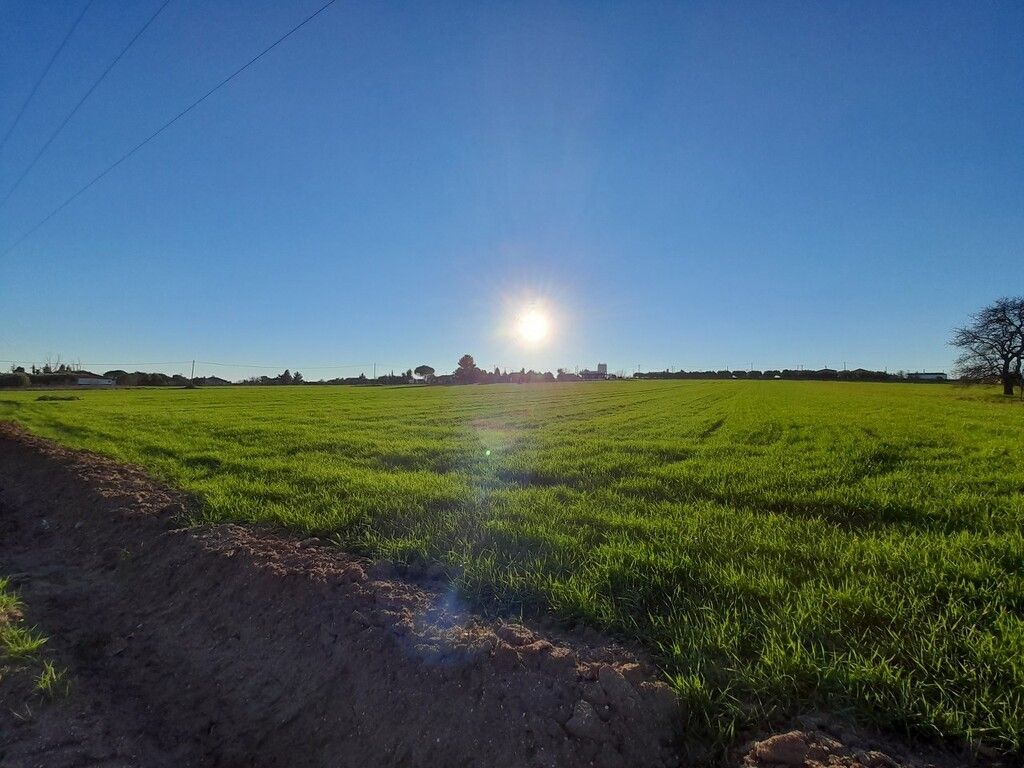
778,545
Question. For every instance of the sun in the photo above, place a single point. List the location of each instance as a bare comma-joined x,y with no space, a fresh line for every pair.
532,326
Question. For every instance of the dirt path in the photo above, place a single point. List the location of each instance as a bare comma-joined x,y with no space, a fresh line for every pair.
226,646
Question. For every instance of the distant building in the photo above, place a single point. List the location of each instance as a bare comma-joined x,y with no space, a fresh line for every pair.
927,376
95,381
600,374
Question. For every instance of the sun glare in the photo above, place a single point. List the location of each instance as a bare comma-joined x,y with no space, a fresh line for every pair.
532,327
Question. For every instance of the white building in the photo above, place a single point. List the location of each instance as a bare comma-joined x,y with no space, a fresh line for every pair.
95,381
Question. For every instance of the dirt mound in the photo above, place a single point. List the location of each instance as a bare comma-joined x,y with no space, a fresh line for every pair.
811,750
228,646
837,744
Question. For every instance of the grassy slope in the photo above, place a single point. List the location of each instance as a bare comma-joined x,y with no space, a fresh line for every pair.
780,544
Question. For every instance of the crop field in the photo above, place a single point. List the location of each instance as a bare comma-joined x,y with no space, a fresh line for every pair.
778,546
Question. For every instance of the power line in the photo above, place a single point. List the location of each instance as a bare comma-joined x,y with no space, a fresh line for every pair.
168,124
81,101
42,77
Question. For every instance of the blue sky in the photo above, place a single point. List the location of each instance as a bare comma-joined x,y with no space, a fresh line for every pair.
696,185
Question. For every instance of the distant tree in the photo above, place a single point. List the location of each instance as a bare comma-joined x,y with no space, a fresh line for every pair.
286,377
992,344
467,372
297,378
408,374
424,370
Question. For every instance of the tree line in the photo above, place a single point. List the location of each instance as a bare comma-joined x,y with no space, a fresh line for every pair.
799,374
991,348
466,372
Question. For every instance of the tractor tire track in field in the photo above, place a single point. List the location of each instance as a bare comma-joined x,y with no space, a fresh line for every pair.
229,646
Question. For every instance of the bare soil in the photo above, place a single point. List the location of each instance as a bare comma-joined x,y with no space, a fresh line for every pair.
222,645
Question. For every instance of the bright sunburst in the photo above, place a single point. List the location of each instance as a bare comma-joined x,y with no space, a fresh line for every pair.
532,326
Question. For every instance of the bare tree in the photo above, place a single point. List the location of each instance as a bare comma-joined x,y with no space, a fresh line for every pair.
992,344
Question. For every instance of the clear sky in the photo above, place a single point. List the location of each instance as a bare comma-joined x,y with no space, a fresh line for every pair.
695,185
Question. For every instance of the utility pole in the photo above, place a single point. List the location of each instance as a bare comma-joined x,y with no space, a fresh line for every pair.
193,378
